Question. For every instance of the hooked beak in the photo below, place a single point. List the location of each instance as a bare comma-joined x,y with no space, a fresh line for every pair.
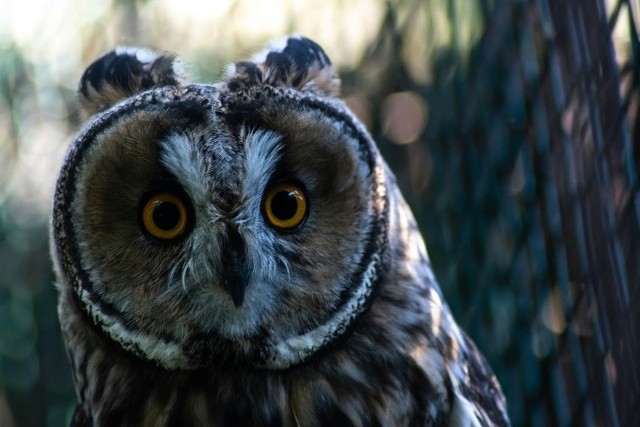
234,273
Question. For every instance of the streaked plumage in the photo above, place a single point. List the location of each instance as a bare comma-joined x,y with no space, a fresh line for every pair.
240,254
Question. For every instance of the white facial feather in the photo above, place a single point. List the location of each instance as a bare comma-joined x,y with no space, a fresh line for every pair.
262,152
294,349
153,347
180,156
198,268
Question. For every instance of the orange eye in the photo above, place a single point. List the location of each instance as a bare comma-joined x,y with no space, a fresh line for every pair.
164,216
285,206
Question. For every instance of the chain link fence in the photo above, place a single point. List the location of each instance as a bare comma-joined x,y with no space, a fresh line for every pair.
531,205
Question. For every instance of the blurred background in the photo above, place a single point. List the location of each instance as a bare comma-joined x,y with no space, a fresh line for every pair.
512,127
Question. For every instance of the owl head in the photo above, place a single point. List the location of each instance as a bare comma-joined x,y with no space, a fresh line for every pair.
243,221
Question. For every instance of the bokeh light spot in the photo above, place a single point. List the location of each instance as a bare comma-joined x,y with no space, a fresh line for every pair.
404,117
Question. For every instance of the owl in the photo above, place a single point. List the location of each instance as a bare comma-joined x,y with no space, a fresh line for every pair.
239,254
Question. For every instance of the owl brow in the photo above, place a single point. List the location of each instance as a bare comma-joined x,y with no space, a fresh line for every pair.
263,152
183,161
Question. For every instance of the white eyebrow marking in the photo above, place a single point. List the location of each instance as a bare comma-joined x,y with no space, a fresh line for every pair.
183,160
263,150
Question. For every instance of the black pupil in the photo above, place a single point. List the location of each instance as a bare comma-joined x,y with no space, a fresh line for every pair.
166,215
284,205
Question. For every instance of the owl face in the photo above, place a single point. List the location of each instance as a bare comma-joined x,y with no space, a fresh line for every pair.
242,220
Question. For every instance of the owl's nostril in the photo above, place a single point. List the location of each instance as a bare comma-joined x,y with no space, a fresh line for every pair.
234,274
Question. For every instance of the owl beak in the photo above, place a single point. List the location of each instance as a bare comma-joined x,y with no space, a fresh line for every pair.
234,282
234,275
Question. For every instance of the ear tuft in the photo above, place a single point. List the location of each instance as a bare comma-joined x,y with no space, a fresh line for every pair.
296,62
126,71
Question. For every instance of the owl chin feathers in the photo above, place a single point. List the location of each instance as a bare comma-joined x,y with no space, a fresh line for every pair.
250,224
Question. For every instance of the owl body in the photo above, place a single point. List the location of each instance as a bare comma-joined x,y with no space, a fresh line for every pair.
239,254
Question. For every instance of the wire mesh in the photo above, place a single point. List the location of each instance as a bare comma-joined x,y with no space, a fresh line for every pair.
531,211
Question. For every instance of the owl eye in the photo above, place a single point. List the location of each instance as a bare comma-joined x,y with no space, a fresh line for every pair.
285,206
165,216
